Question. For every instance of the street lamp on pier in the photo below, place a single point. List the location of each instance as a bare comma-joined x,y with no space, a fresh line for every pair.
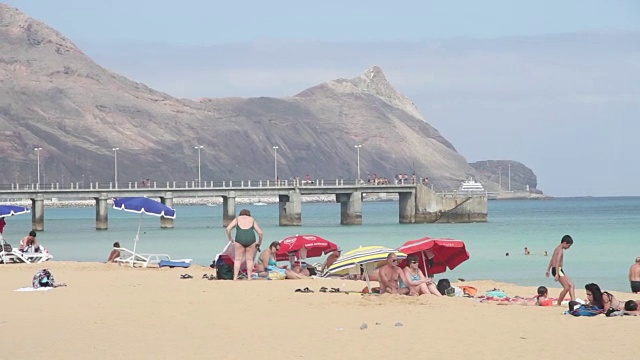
199,147
37,150
358,153
115,165
275,163
509,177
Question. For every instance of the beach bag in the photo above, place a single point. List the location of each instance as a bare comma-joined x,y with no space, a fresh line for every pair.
43,278
224,271
585,310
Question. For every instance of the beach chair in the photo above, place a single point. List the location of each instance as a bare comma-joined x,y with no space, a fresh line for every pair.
37,257
144,260
9,255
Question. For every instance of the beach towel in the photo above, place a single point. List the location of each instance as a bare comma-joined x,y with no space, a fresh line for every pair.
585,310
34,289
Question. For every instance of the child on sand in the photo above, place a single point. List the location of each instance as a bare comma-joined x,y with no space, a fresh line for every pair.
555,265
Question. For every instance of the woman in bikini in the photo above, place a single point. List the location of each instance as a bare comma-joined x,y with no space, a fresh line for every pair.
269,264
244,241
418,284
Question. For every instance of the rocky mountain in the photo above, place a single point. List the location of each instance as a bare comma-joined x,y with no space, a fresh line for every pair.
55,97
504,171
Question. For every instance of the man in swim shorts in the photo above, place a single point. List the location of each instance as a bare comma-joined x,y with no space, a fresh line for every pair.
634,276
555,266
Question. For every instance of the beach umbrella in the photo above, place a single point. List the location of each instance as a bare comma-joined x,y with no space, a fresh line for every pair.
10,210
436,255
304,246
369,257
142,205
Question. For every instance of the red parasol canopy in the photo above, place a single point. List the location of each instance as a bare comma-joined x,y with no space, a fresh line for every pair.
436,255
313,245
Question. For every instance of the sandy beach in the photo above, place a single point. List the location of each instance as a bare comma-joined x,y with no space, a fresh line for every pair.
111,311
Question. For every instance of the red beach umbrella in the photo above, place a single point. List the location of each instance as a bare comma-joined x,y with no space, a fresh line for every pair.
304,246
436,255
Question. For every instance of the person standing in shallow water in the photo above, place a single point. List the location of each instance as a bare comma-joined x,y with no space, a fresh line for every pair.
555,265
244,241
634,276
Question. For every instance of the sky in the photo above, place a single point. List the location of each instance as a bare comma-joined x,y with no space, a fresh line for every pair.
552,84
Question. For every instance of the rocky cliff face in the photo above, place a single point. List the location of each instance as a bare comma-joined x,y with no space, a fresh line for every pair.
500,171
53,96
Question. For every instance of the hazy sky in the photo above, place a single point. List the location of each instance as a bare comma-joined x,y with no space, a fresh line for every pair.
553,84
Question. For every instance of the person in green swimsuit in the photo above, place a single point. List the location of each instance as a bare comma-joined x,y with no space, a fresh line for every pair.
244,241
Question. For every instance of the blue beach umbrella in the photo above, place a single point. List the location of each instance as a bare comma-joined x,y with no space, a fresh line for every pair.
143,205
10,210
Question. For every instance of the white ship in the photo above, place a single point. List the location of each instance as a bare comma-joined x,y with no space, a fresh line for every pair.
471,186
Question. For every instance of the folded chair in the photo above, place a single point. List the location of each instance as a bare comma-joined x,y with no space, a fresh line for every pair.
144,260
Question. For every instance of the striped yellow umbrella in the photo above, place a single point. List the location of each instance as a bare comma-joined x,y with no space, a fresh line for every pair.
370,257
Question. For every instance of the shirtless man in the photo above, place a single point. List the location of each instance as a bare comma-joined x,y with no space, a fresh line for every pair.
555,265
634,276
330,260
29,240
389,274
114,254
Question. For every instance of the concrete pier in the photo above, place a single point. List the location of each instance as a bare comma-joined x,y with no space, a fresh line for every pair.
350,208
407,208
167,199
228,208
432,207
37,212
291,209
102,212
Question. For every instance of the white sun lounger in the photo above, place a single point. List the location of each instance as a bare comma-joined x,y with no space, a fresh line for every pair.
8,255
143,260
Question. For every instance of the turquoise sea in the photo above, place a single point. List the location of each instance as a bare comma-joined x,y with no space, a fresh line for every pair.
605,232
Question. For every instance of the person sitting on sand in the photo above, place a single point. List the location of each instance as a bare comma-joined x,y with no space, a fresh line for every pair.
417,283
330,260
594,298
268,261
390,274
115,253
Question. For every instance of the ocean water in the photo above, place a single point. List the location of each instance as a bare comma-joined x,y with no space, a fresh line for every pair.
605,231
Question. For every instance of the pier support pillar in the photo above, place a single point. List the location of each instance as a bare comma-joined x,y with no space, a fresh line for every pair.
228,208
407,207
350,208
167,199
37,213
290,209
102,212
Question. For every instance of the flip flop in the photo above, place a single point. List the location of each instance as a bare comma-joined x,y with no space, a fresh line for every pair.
211,277
323,289
334,290
186,276
205,276
305,290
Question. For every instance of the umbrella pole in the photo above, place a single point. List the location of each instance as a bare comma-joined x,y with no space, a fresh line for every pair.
135,241
424,263
366,276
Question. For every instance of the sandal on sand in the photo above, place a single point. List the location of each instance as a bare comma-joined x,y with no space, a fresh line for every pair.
323,289
186,276
334,290
305,290
205,276
211,277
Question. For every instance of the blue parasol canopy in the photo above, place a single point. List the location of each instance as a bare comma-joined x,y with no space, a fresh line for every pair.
143,205
10,210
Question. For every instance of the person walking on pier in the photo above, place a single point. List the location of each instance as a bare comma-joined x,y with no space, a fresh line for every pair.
244,241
